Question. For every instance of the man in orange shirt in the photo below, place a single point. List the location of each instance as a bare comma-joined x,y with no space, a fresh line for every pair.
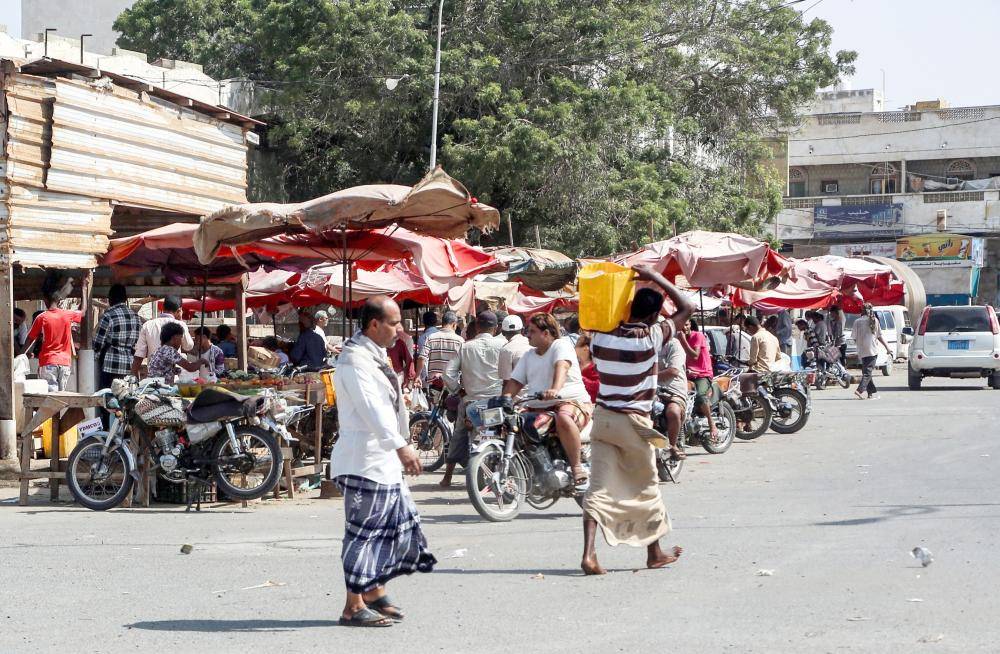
55,327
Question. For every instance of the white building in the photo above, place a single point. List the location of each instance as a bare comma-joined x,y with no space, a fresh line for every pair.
71,18
857,175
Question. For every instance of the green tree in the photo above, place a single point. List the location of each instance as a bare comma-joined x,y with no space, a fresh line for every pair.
599,121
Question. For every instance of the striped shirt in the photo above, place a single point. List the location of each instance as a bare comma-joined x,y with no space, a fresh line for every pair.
439,349
626,361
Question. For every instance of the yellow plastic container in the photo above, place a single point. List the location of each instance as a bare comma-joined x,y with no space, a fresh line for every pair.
67,440
606,292
331,392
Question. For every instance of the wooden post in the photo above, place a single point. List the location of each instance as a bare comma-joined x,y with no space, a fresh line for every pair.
510,230
241,323
8,431
538,238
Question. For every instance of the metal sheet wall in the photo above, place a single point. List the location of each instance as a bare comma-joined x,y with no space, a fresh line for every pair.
72,147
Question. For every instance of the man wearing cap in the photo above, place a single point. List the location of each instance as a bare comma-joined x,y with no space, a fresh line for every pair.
476,369
517,344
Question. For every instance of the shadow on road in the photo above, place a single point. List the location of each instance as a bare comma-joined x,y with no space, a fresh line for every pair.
476,518
899,511
243,626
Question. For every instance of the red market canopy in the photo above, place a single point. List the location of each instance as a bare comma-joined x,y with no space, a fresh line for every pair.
858,280
707,259
437,206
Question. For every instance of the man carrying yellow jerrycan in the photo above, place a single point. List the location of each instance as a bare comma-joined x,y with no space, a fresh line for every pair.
624,495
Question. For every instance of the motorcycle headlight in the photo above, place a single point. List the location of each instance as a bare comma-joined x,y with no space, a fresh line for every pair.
491,417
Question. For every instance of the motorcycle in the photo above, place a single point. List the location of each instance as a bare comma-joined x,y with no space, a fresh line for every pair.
695,427
523,463
221,435
834,372
792,400
753,409
430,431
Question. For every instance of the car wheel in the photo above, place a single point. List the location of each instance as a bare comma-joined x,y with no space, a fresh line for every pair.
994,380
913,379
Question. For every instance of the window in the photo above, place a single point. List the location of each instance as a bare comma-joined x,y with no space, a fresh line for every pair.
796,183
830,186
958,319
883,179
960,169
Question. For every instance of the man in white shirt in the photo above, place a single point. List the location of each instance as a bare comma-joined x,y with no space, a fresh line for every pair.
382,537
673,375
476,368
149,335
552,369
515,347
321,319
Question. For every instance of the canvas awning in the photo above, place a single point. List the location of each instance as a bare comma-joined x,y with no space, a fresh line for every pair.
437,206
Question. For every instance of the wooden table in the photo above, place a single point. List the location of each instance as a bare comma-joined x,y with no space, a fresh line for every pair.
66,410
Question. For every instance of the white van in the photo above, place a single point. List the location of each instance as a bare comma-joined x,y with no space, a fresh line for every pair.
890,332
902,319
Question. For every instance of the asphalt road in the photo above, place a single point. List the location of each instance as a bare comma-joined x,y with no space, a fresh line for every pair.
831,513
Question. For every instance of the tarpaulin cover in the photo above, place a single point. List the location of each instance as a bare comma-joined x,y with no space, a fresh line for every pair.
441,263
437,206
707,259
857,280
545,270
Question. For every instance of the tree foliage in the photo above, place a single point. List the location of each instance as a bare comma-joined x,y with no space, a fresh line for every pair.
599,121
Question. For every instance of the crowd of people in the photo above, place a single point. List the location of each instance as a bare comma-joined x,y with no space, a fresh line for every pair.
163,346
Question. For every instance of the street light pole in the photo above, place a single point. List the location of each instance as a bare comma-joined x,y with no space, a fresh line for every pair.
437,89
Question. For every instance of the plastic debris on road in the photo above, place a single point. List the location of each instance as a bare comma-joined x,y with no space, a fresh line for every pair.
765,573
457,554
538,576
932,639
923,555
858,618
186,548
914,599
266,584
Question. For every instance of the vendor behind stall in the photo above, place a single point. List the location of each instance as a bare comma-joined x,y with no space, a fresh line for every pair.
226,340
211,355
310,348
149,335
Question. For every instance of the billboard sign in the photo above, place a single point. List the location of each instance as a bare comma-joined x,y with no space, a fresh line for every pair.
886,249
941,251
858,220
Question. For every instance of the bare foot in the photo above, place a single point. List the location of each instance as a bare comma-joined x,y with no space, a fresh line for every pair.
592,567
664,558
445,482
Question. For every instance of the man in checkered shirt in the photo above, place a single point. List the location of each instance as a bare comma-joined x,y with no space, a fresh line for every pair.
117,332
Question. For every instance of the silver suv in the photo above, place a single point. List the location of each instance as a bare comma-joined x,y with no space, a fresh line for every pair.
958,342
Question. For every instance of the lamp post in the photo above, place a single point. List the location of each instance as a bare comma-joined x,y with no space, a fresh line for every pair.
437,89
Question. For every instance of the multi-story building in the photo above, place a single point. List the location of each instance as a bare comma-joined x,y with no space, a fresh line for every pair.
860,178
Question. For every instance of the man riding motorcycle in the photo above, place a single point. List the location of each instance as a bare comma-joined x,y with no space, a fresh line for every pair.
673,375
552,369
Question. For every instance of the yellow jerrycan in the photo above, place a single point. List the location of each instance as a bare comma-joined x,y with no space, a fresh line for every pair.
606,292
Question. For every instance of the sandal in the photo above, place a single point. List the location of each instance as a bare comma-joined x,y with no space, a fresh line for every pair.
677,454
581,478
365,617
385,606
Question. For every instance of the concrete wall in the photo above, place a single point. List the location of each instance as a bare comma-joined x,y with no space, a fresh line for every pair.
73,18
839,101
957,133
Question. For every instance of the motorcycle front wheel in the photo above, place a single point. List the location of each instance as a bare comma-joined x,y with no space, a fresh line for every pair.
98,481
497,495
429,439
253,471
797,414
667,467
757,417
725,422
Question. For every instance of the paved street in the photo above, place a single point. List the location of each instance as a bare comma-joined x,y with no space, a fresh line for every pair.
833,511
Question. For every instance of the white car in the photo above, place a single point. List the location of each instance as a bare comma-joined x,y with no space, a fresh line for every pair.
887,322
957,342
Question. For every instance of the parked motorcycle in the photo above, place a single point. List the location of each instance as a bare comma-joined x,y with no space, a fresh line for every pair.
524,463
834,372
753,409
221,435
430,431
792,400
695,428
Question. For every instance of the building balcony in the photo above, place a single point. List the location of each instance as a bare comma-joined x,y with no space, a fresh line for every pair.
884,216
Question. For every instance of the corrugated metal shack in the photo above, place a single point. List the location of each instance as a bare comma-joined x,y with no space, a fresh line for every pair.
88,154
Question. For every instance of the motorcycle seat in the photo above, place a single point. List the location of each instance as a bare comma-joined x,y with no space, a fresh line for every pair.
219,404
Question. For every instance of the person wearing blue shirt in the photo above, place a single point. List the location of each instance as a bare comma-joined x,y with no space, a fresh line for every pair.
227,342
310,348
